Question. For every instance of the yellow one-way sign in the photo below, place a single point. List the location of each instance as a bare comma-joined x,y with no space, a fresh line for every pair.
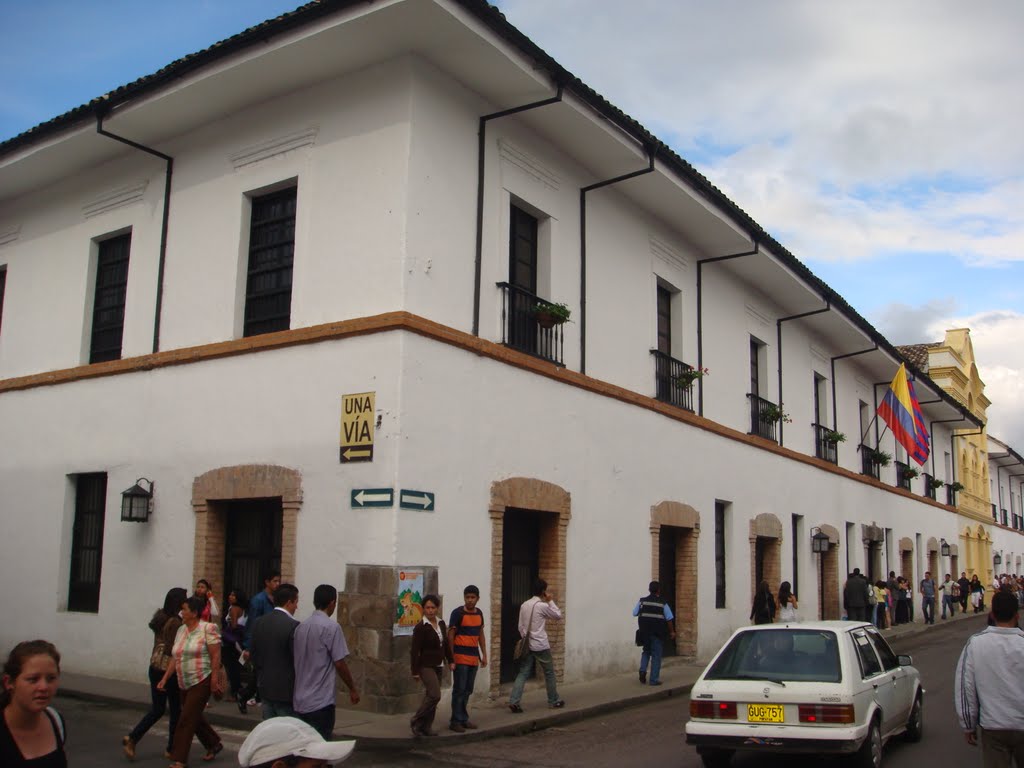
357,413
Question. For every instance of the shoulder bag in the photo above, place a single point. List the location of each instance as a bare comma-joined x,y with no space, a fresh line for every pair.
523,644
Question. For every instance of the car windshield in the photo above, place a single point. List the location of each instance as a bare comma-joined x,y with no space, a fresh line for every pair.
797,655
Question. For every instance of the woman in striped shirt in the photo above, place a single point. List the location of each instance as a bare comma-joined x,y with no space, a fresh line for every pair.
196,661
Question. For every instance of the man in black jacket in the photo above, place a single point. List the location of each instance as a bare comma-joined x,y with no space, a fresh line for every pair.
855,596
655,624
965,590
272,653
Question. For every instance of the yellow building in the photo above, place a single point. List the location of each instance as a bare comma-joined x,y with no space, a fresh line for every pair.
950,364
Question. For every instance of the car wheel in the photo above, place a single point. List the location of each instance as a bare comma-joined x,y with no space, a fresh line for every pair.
915,723
870,753
717,758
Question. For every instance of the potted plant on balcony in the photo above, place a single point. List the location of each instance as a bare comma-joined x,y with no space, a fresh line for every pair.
771,414
549,314
690,375
956,486
909,473
935,483
881,458
832,437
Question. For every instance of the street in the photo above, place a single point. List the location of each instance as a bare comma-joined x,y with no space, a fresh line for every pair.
648,735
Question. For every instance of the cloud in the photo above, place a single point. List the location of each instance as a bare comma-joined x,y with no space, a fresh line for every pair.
851,132
904,324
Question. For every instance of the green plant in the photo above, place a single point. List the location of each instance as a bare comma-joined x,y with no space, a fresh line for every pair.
771,413
549,314
909,473
833,437
935,483
690,375
881,458
956,486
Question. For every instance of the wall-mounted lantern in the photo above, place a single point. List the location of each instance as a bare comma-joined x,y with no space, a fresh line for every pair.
998,559
137,502
944,548
819,541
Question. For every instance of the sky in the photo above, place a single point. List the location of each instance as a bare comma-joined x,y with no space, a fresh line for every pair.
880,142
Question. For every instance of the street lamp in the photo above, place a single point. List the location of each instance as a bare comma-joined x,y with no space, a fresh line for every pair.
137,502
998,559
944,548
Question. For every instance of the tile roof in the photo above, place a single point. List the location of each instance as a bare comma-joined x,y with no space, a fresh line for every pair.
917,354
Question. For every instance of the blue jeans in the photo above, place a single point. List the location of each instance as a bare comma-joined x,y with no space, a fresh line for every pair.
463,679
948,601
525,665
652,653
161,699
277,709
928,609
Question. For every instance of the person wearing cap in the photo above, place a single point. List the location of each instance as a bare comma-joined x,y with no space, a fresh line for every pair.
287,742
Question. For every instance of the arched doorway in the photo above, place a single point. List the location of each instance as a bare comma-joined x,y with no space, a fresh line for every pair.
932,548
246,521
529,524
765,552
674,531
907,559
874,539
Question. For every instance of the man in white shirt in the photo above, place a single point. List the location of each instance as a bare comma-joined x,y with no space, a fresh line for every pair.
987,693
533,616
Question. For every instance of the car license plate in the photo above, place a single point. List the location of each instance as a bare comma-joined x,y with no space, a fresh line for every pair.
765,713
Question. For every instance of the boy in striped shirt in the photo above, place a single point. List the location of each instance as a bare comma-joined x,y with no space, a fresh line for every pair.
466,635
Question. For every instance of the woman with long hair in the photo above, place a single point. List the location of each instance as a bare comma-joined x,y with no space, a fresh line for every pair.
211,611
31,731
232,637
763,609
787,602
430,650
165,623
196,661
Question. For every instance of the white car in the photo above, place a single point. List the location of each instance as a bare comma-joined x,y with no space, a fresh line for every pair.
823,688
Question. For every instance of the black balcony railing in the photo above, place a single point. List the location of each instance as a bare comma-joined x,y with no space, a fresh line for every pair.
950,495
521,328
995,515
823,448
868,466
929,491
1006,519
902,480
764,416
667,386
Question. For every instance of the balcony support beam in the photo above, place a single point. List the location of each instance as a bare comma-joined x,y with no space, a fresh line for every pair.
778,339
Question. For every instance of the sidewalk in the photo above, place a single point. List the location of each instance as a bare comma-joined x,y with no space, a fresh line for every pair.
376,731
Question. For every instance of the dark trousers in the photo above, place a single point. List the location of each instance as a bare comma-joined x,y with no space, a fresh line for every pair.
169,697
321,719
229,655
999,749
857,613
193,723
928,609
463,680
424,717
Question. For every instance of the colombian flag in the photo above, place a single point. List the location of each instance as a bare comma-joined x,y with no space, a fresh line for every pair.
901,411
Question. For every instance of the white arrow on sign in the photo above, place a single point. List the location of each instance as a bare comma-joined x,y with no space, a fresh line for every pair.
357,453
368,498
419,499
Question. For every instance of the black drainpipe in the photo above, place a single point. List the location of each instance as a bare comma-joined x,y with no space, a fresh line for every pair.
481,151
931,435
700,315
652,153
835,416
778,339
163,225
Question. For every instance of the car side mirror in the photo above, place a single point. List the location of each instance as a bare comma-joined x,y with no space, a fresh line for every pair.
905,660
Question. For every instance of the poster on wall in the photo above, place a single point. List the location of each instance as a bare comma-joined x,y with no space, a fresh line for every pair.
410,602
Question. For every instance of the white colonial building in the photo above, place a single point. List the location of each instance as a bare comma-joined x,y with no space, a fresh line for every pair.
373,199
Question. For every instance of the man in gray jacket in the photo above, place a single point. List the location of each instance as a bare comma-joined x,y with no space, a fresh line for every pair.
985,696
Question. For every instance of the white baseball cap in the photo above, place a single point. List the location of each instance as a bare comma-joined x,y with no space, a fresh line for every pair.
280,737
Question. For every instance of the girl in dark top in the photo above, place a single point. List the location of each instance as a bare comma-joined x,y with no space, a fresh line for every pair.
31,732
763,609
430,650
165,623
232,636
